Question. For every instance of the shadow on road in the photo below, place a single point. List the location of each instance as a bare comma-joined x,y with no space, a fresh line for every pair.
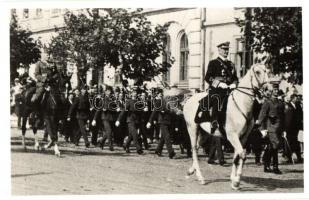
71,152
32,174
270,184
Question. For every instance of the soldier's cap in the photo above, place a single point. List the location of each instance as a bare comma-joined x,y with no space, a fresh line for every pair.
224,45
84,87
110,88
16,79
117,89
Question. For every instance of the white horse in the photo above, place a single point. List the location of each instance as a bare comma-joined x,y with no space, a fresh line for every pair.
239,119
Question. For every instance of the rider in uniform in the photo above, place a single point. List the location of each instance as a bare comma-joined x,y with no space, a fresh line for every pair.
221,77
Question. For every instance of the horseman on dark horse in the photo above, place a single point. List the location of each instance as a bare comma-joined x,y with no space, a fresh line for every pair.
44,99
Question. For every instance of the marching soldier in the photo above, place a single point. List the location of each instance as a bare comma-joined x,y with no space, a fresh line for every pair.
81,106
107,117
163,111
221,77
93,103
119,131
133,121
145,114
272,114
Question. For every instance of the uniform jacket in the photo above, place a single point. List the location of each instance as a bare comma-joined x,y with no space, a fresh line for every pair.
81,106
220,71
272,112
133,114
163,113
108,109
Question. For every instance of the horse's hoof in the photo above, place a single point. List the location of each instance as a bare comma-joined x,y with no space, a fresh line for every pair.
235,185
190,172
36,147
203,182
57,154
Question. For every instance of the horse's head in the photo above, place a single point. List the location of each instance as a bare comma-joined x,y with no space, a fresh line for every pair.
260,71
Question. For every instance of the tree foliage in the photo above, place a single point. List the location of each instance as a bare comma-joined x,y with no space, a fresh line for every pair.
121,38
277,31
24,50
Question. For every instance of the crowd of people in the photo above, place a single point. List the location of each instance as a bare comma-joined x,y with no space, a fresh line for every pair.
117,116
110,116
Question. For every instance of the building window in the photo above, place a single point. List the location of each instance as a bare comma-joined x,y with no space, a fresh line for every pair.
243,58
26,13
38,12
166,58
184,53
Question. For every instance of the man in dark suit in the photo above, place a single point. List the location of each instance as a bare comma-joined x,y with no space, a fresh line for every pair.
145,114
81,106
107,117
133,121
164,115
221,77
272,114
69,126
293,123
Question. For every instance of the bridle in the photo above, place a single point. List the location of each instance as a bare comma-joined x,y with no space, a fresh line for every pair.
256,91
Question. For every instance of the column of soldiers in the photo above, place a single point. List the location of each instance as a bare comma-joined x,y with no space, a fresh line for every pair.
117,116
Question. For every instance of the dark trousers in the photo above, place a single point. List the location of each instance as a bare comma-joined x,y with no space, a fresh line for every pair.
108,133
132,127
255,144
156,132
165,139
68,129
120,133
216,146
82,129
270,154
271,151
143,133
51,127
94,134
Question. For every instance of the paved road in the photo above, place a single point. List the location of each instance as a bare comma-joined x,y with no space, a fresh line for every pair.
93,171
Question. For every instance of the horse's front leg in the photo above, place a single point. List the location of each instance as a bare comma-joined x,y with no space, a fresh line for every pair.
195,165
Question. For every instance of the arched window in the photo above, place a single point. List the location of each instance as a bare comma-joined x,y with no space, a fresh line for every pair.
183,60
166,58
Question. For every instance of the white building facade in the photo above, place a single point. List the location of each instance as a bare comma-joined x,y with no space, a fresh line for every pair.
193,36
